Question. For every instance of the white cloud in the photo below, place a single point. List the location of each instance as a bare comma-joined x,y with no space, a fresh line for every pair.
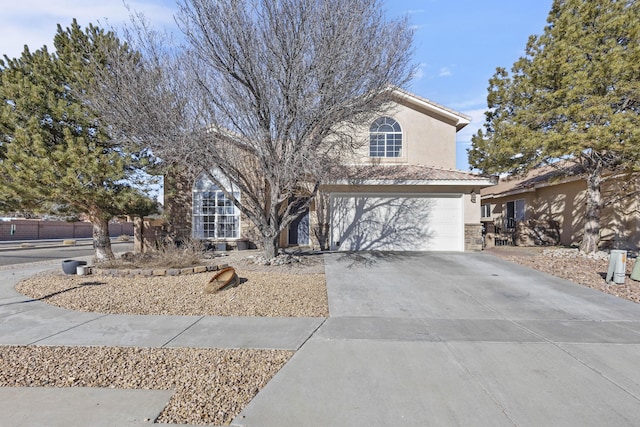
477,120
420,71
463,138
470,104
34,22
445,72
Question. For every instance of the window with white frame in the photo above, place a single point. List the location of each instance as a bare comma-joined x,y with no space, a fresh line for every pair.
214,215
485,210
385,138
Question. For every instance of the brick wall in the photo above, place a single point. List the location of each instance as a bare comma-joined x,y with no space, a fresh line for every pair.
26,229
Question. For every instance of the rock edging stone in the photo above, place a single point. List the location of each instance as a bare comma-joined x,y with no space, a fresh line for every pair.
124,272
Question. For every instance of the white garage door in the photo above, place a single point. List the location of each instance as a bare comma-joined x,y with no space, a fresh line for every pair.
397,222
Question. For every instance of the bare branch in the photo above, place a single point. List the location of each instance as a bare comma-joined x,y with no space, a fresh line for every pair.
267,93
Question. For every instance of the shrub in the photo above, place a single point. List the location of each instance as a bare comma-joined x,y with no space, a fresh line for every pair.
188,254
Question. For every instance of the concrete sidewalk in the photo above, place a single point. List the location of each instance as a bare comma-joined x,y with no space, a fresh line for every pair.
24,321
413,339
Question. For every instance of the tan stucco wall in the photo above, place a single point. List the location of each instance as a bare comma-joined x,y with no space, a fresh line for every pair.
425,140
564,205
471,209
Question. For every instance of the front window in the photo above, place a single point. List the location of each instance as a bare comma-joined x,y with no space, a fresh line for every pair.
385,138
485,211
214,215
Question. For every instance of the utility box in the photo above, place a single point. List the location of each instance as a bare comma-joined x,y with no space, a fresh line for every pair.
635,273
617,266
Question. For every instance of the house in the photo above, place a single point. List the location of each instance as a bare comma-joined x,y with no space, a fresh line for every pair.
547,207
401,192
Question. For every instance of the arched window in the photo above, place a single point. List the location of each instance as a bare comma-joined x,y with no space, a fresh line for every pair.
385,138
214,215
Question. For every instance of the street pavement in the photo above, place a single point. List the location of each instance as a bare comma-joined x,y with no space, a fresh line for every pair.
413,339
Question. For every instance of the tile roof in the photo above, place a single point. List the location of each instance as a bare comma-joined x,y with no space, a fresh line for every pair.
534,178
409,173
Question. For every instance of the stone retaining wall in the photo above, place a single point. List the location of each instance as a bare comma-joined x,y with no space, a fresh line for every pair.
124,272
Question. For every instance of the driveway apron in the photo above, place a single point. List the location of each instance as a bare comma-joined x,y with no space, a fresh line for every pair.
457,339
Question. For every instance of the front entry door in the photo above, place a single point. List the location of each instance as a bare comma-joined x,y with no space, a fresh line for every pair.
299,234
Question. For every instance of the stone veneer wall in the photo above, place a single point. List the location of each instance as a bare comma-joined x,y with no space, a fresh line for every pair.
473,237
178,201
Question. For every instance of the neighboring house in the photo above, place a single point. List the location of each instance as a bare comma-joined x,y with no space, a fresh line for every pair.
546,207
402,192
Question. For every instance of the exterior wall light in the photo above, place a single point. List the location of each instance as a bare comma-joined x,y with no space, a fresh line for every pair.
473,196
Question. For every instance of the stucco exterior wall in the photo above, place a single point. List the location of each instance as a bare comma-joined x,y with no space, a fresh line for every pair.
559,209
425,140
428,138
471,209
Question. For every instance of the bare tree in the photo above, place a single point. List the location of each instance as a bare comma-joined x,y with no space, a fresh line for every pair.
267,94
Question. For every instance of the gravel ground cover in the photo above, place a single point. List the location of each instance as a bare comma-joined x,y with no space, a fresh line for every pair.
261,294
212,385
569,264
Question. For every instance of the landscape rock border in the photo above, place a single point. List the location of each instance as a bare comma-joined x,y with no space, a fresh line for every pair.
124,272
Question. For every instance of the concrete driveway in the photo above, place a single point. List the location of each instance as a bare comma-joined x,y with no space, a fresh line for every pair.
430,339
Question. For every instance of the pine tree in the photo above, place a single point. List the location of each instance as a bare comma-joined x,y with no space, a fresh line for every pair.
53,149
574,96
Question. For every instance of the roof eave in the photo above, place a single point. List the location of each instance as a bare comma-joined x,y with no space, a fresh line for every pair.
459,119
444,182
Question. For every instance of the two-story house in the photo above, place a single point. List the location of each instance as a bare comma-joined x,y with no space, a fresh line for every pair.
401,193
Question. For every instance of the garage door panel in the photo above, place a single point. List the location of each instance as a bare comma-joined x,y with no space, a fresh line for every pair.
396,223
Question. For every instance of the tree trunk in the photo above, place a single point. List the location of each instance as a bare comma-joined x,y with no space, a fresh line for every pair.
138,235
101,240
321,230
591,235
271,246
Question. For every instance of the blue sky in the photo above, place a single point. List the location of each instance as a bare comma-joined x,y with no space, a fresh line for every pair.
458,43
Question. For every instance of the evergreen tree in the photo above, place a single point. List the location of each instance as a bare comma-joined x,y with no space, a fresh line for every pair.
574,96
53,148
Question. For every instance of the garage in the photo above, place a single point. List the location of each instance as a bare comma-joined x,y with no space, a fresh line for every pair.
397,222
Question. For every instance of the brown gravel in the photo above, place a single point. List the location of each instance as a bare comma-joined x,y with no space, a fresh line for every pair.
569,264
272,291
260,294
212,385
